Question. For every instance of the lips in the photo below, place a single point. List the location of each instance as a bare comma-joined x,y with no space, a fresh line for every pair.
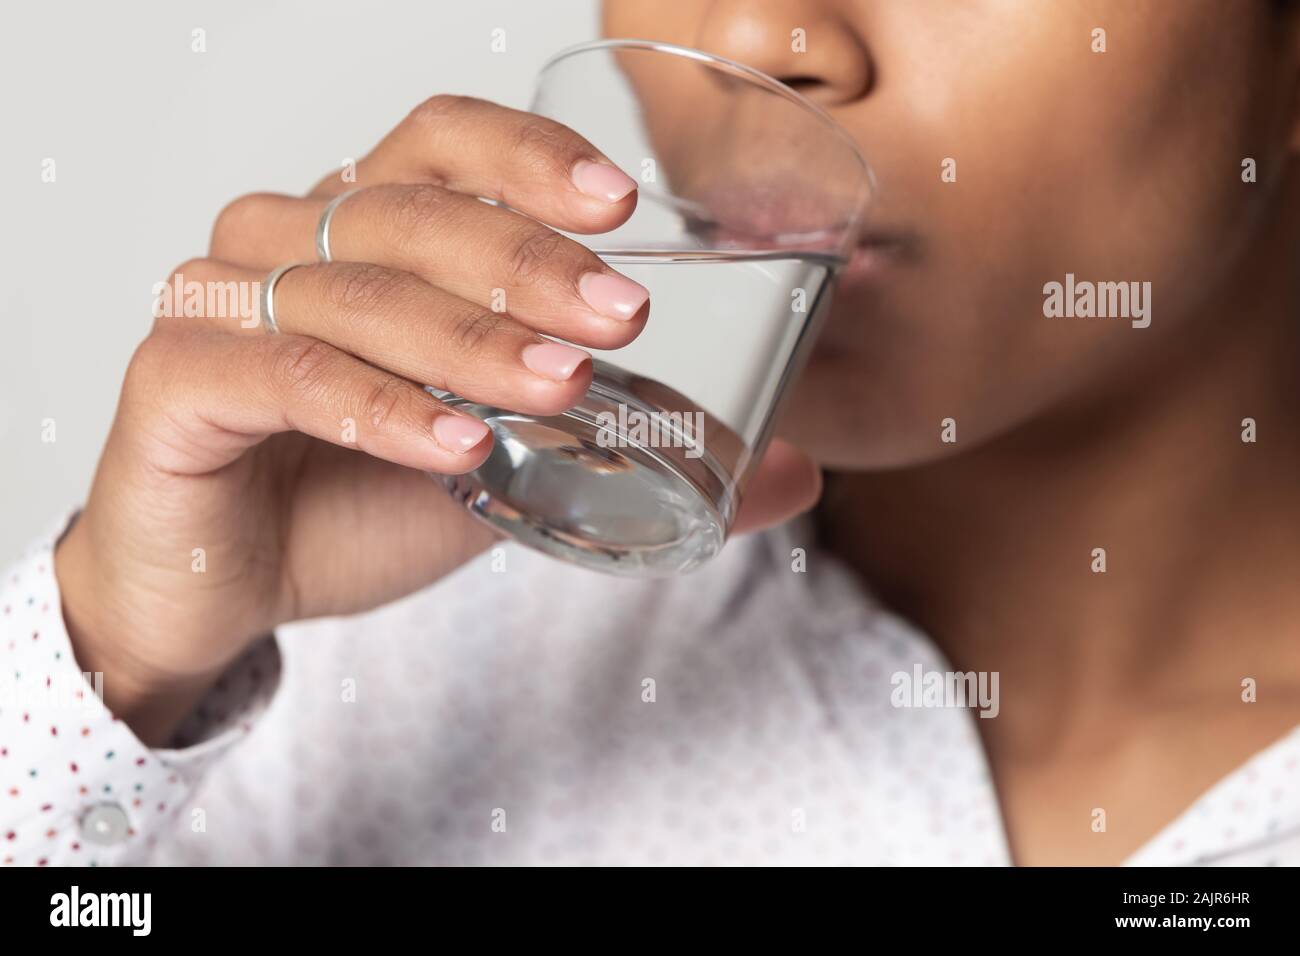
872,254
770,216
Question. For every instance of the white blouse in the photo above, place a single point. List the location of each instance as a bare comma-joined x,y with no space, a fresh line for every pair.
525,712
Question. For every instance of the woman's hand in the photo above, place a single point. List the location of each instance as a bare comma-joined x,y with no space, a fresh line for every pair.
253,479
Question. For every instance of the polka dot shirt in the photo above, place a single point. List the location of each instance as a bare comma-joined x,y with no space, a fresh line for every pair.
525,712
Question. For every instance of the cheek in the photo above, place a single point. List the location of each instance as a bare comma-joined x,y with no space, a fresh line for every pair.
1115,167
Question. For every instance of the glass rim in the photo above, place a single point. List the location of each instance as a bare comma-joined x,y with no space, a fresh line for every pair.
771,83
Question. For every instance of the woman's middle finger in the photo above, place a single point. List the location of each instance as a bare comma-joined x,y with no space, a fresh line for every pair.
398,322
481,253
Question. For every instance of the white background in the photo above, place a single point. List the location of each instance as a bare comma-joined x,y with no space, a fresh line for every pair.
150,140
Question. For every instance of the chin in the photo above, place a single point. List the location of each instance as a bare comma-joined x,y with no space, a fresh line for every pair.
846,427
832,445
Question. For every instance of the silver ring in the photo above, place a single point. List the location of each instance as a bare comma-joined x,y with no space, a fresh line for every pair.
268,296
323,226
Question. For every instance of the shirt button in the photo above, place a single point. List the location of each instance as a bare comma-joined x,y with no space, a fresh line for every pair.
105,824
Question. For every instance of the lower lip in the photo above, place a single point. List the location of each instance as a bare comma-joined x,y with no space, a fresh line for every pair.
867,262
862,269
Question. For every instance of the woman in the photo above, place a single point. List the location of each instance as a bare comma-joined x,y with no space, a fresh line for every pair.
1094,518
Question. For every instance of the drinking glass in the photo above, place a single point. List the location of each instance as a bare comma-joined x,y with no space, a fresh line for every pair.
750,198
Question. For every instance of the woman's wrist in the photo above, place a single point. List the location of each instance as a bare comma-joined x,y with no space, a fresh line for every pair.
150,702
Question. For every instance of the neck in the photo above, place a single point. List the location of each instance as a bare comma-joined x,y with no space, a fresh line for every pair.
996,553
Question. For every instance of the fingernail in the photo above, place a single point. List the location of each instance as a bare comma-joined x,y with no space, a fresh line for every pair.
458,434
614,296
554,361
602,181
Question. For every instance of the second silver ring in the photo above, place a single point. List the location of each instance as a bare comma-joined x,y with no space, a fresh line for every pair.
323,226
269,324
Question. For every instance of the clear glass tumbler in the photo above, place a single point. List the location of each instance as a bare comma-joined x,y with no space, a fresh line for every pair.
750,199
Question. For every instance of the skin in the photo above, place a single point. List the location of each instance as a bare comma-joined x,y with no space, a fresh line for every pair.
295,461
1119,691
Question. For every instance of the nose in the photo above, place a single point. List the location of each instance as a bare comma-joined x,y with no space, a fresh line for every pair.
803,43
